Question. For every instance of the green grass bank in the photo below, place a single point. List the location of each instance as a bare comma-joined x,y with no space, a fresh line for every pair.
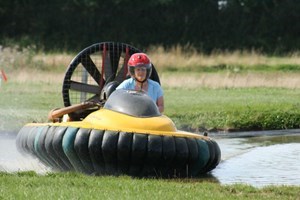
29,185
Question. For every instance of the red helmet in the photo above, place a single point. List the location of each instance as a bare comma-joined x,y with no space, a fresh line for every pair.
139,60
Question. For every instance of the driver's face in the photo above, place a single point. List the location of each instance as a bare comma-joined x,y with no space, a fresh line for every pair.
140,73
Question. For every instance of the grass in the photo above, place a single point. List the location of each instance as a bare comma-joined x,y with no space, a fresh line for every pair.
181,59
21,103
29,185
234,108
195,80
186,59
199,95
193,109
225,90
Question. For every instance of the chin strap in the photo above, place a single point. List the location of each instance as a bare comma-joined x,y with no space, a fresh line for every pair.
142,82
142,86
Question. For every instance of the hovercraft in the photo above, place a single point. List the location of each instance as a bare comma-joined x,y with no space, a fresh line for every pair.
122,133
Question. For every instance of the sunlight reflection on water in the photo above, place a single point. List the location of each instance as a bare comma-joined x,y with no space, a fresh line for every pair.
249,163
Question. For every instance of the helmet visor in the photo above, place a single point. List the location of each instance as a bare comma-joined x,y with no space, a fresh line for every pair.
140,69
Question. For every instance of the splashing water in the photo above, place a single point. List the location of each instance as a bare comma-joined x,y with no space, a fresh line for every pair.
11,160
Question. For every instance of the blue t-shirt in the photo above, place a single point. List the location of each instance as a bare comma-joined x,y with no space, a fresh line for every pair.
154,89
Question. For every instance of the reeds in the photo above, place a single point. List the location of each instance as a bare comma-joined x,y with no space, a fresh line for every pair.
180,57
231,69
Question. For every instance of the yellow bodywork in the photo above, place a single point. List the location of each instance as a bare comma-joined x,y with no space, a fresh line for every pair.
105,119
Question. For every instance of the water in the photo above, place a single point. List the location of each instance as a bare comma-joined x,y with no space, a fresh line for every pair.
13,161
257,161
260,161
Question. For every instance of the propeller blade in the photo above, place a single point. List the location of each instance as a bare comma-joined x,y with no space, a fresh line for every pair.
91,68
123,71
83,87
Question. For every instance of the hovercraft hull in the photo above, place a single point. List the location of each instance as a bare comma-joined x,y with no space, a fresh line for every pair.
109,152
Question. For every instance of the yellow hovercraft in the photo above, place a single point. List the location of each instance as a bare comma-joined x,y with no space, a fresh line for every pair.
122,134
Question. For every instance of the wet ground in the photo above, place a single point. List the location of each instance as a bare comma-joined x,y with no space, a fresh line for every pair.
271,159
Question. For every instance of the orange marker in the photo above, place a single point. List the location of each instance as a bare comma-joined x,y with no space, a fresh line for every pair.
3,75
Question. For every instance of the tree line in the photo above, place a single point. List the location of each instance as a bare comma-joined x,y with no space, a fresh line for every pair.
270,26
